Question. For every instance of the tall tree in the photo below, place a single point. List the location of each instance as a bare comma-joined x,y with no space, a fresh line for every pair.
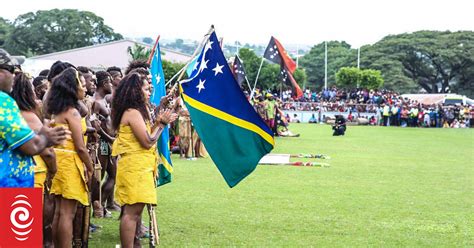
5,29
48,31
139,52
340,55
438,62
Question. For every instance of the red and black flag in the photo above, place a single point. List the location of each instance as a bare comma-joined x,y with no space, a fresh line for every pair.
238,71
289,80
278,55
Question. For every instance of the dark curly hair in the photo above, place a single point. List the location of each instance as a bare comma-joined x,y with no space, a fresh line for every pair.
63,92
129,95
102,77
137,64
114,70
23,93
57,68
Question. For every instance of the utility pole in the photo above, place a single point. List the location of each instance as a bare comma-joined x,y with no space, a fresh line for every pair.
358,58
325,65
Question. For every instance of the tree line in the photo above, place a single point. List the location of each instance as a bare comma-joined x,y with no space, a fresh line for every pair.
431,61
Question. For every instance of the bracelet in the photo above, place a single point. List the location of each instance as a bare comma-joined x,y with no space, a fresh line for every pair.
164,123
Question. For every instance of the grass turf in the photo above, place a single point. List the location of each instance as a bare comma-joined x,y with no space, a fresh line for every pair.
385,187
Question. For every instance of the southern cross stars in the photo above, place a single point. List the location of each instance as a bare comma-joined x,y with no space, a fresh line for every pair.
217,69
203,65
196,65
200,86
208,46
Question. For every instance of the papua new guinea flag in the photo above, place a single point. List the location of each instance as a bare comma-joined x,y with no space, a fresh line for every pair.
234,134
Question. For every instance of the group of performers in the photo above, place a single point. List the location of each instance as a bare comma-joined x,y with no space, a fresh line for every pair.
109,160
269,108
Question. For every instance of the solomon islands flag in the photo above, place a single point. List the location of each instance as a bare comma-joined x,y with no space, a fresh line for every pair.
165,168
234,134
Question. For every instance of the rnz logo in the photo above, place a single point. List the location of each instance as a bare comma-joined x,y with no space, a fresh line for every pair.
20,218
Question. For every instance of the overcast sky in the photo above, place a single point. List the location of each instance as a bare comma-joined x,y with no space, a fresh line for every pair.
302,22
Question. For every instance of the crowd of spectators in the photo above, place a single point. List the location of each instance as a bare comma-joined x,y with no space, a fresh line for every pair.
386,108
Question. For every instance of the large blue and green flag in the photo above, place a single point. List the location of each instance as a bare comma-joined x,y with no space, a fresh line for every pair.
165,168
234,134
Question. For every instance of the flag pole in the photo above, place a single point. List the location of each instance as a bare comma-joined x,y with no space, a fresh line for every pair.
281,90
255,84
206,37
150,57
325,65
174,76
358,58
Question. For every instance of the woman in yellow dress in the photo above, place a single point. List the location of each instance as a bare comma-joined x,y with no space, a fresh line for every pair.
25,97
45,167
74,166
135,147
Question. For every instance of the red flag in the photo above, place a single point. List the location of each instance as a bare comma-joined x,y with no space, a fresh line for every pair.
289,80
277,54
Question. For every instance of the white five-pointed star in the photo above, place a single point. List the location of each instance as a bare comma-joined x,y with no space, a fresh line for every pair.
217,69
158,78
203,65
196,65
200,86
208,46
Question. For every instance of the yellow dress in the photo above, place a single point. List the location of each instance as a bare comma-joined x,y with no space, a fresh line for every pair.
70,180
136,169
40,172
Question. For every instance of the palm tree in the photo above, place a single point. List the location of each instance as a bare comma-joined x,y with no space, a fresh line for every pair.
139,52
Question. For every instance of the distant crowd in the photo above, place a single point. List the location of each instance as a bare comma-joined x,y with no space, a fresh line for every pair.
381,107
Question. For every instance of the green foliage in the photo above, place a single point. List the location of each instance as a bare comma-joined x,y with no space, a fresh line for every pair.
352,77
148,40
139,52
371,79
48,31
435,61
340,55
5,29
348,77
170,69
181,46
386,187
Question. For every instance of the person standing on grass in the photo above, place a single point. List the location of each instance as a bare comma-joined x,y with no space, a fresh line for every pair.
45,167
135,146
18,143
74,164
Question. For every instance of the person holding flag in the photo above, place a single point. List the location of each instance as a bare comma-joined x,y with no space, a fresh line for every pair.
216,102
136,147
165,167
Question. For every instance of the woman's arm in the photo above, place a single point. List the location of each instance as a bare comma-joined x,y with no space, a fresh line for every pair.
133,118
73,119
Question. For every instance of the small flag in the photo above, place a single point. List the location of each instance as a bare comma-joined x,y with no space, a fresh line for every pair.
238,71
165,168
234,134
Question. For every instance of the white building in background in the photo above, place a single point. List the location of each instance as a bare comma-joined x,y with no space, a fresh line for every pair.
98,57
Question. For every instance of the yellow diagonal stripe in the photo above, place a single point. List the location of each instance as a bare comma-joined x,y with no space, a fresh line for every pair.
166,164
229,118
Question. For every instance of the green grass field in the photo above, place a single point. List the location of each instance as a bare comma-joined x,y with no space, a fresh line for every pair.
385,187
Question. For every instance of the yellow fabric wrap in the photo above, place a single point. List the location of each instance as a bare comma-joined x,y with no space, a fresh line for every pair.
136,169
40,172
69,180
